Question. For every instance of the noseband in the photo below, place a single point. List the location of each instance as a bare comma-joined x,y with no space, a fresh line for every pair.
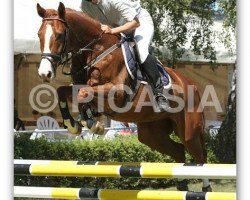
55,59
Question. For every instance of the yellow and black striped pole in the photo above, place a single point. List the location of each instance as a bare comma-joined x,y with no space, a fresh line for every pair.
141,170
105,194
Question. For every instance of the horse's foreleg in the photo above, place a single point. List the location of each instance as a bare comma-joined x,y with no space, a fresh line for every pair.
97,93
103,92
73,126
88,119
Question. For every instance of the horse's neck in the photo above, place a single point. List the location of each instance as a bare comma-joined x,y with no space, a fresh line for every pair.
85,29
82,29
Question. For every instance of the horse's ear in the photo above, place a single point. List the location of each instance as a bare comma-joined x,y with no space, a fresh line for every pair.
61,10
40,10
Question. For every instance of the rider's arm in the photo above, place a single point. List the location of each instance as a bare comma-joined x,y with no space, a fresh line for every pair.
127,27
128,10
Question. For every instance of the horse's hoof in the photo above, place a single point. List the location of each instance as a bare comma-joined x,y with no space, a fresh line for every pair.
97,128
182,185
84,123
75,130
207,189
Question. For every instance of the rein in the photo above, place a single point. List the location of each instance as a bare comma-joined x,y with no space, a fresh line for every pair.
101,56
64,58
93,61
80,51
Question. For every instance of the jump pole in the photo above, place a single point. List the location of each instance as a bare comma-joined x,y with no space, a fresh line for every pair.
141,170
106,194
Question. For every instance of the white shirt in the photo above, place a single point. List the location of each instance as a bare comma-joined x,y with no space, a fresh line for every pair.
112,12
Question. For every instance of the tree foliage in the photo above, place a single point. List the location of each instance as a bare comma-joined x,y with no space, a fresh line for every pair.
228,8
177,22
225,140
182,22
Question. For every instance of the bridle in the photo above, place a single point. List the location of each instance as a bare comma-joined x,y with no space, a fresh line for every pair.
56,59
63,58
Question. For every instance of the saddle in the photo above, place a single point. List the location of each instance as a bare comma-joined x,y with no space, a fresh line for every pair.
131,58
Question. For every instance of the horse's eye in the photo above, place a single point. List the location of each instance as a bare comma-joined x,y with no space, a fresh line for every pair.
59,37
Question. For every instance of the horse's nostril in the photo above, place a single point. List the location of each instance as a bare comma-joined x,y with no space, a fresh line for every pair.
49,74
42,76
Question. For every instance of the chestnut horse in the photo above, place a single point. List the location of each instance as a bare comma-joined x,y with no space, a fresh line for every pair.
65,31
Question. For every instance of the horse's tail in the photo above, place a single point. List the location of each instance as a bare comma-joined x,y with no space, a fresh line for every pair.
203,138
203,127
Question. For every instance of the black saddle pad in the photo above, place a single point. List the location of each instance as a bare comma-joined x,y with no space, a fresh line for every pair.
134,68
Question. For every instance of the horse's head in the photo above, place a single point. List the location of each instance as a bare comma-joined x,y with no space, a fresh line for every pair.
53,35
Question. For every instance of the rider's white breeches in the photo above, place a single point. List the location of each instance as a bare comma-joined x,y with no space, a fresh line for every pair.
144,34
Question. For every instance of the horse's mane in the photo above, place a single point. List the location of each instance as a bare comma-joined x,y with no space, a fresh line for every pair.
83,21
81,14
73,14
89,24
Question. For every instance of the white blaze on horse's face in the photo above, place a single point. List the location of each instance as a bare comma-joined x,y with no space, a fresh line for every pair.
45,69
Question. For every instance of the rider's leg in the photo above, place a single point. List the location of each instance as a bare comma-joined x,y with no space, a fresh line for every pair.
154,79
143,36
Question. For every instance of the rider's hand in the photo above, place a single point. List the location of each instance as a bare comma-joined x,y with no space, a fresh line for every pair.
106,29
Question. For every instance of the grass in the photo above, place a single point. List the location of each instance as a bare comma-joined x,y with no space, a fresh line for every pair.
217,186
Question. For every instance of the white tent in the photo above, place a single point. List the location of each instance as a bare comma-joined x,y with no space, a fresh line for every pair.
27,22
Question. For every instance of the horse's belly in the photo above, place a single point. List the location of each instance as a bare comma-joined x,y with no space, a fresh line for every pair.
145,115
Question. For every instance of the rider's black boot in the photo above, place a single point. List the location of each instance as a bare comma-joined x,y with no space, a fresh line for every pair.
154,79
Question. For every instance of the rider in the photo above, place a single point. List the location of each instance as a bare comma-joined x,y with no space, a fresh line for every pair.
126,16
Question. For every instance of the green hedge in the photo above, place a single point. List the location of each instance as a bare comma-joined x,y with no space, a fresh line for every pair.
126,149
